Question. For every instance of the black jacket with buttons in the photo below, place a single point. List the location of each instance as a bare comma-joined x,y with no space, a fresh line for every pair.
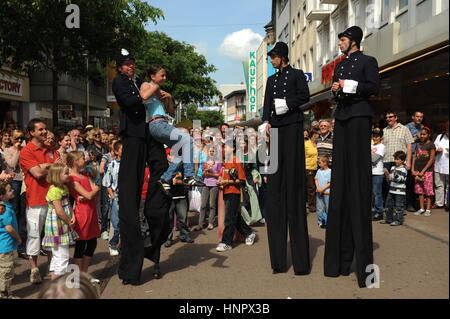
289,84
132,111
363,69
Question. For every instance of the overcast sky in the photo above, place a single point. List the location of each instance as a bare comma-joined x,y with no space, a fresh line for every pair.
222,30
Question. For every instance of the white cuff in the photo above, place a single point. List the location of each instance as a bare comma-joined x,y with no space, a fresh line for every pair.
350,86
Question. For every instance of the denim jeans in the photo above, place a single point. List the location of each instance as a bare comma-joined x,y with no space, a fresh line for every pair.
322,201
209,195
180,207
167,134
377,190
104,210
115,222
233,219
394,208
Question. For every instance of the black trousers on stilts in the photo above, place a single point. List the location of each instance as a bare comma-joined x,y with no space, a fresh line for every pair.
157,204
131,176
286,202
349,225
136,151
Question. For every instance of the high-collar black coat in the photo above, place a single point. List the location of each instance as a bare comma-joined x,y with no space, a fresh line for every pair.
289,84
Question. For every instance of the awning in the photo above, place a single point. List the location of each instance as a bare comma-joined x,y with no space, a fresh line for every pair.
324,96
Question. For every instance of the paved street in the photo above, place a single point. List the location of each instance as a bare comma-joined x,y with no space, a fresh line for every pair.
413,261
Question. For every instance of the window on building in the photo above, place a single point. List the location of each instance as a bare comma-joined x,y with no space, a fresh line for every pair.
304,15
283,4
424,11
402,4
385,12
335,29
370,18
304,66
311,60
294,31
402,15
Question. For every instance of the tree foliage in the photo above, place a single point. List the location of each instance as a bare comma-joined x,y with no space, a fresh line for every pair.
207,118
188,71
34,35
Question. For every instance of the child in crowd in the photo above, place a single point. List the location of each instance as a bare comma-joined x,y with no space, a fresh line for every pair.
179,207
396,198
58,289
9,240
323,184
159,105
233,176
106,204
83,190
211,170
60,220
111,182
422,170
378,151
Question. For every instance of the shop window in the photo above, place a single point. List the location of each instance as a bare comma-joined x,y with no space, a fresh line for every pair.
419,85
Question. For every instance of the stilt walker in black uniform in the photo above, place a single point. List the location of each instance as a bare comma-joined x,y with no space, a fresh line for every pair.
349,226
286,189
138,148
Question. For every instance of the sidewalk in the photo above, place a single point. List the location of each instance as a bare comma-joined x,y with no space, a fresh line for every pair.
413,261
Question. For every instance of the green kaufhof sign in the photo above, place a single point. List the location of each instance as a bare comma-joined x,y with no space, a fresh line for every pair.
252,82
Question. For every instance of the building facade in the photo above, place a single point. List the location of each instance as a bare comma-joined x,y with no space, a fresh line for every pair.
409,38
14,97
72,102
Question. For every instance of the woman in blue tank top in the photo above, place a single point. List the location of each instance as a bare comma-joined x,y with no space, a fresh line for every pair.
159,105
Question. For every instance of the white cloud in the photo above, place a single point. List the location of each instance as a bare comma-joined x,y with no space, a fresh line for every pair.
237,45
201,48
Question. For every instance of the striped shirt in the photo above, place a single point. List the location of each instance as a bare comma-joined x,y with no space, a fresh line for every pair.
398,180
325,145
396,139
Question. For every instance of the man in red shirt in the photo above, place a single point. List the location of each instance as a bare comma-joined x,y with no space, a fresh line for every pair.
35,159
233,176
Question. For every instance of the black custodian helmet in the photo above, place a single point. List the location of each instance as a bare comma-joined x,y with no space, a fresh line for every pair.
280,49
353,33
122,56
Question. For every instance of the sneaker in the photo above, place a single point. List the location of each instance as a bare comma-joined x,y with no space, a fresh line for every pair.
427,213
262,220
250,239
210,227
105,235
95,281
113,252
168,243
419,212
188,240
377,217
395,223
35,276
165,187
193,181
223,247
323,226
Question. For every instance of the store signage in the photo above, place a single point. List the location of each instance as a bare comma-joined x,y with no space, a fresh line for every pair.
327,70
67,107
11,85
308,77
252,82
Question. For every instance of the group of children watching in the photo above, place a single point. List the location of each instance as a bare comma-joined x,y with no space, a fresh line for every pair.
66,224
422,171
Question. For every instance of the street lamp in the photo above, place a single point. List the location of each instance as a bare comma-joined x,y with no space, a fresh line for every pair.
85,54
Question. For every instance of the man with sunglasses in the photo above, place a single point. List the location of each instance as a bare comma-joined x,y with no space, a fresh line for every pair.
349,224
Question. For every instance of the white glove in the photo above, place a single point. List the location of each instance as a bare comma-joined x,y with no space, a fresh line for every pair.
281,106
